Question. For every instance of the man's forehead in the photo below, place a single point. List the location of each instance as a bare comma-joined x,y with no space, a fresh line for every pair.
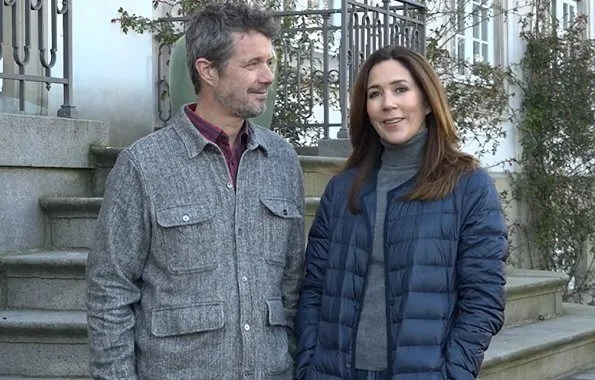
255,48
237,36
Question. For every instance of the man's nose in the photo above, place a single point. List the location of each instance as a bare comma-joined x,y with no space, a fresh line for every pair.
267,75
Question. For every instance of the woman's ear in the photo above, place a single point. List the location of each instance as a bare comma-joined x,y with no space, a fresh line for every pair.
428,109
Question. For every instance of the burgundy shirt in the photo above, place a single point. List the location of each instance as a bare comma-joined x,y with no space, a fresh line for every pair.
221,139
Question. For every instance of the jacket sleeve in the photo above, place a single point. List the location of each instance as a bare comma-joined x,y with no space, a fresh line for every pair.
308,316
114,266
294,264
483,246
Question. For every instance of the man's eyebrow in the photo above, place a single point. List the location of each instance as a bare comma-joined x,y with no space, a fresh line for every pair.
257,59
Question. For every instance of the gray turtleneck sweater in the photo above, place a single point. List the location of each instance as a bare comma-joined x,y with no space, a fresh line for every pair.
399,164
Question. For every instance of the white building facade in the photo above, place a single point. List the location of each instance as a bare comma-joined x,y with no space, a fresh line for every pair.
115,75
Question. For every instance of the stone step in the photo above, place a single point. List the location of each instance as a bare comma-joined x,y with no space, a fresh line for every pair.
532,295
44,280
588,374
103,158
317,170
55,280
43,344
71,220
544,350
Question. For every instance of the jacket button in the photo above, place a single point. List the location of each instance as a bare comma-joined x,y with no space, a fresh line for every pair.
285,212
229,185
185,218
247,327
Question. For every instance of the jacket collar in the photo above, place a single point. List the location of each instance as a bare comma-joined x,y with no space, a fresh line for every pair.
195,142
257,138
367,195
370,186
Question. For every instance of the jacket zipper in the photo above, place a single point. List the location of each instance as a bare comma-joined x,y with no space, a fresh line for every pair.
360,306
389,345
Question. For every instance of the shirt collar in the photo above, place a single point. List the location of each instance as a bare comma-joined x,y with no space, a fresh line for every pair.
195,141
212,132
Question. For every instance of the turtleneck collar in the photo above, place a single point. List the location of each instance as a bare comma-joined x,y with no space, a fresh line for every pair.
407,155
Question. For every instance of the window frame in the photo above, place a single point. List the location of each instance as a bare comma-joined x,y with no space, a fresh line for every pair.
564,13
475,32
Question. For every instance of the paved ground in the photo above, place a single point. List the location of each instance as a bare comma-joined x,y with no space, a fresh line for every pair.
587,375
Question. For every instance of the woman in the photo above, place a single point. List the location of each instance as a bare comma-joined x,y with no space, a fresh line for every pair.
405,258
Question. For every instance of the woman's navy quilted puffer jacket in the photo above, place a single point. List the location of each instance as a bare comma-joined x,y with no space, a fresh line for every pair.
444,280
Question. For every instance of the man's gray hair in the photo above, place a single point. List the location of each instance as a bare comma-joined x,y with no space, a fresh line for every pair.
209,33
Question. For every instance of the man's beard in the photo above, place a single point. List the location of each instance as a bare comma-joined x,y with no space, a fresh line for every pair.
239,107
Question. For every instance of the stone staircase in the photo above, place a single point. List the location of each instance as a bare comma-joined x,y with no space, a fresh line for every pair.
551,340
42,291
42,258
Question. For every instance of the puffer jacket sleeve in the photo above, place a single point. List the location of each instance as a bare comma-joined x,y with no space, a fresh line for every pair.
483,246
308,315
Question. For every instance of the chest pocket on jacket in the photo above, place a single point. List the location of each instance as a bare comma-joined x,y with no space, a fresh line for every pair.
279,217
186,237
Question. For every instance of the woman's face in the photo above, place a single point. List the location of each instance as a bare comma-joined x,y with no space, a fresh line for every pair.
396,105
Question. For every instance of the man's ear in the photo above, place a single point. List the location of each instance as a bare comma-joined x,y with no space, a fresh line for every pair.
206,70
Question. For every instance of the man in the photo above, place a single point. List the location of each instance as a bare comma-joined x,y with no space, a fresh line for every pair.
198,255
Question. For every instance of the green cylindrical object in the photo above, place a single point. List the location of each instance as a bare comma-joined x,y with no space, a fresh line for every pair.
181,90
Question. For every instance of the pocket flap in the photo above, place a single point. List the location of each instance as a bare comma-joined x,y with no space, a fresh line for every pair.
187,319
276,312
183,215
281,207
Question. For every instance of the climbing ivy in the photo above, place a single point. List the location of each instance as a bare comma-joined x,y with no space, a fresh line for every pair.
557,135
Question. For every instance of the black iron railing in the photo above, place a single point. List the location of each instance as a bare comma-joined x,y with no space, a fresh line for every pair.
365,28
320,53
24,17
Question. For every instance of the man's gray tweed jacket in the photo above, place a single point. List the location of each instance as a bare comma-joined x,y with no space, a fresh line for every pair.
189,278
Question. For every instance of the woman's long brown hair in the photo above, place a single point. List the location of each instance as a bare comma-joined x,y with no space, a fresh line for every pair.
443,163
